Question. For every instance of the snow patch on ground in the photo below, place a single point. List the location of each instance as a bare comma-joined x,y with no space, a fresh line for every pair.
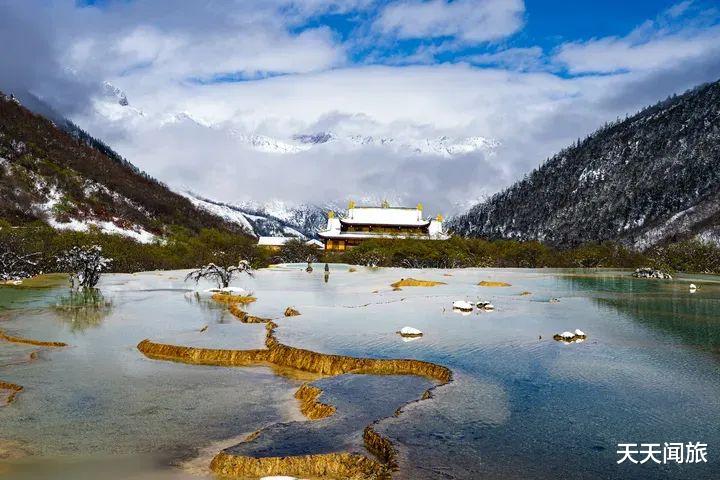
137,233
54,196
225,212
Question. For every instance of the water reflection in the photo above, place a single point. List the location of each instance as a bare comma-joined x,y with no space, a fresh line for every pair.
668,307
211,308
83,308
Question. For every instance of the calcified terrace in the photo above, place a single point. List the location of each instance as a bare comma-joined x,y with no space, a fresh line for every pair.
13,388
280,356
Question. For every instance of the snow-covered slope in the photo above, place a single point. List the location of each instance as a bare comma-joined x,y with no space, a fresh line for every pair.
53,171
272,219
226,212
651,179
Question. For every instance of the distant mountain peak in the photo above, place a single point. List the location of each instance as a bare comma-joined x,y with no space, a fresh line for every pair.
442,145
274,218
113,92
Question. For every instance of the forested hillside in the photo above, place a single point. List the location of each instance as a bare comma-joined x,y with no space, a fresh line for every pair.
650,179
75,182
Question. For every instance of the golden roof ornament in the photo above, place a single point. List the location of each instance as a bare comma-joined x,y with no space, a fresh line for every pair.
331,214
419,206
439,218
351,205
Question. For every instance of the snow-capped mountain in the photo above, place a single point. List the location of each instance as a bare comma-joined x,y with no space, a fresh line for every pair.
115,94
442,145
113,105
263,143
274,218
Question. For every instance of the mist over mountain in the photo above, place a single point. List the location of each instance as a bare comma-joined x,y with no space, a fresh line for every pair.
649,179
270,219
53,171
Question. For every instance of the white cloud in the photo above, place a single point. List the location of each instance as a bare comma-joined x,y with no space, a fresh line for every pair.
161,54
654,45
530,114
470,21
163,57
530,58
612,54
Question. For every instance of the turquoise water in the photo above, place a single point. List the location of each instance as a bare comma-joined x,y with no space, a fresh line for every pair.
521,404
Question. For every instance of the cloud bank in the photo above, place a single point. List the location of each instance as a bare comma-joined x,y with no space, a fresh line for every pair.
206,81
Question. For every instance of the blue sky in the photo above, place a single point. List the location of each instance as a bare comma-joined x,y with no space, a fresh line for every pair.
543,26
500,84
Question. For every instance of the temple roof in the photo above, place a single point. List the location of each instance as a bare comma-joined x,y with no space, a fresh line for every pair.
385,216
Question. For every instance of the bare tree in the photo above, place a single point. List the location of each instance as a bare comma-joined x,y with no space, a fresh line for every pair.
222,276
84,264
15,264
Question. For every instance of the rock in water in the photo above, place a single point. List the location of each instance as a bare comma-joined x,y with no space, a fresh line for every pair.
485,305
651,273
570,337
462,305
410,332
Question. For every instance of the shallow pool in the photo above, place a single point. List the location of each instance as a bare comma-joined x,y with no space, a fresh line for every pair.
521,404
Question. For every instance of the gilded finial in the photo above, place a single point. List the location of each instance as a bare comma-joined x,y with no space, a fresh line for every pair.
439,218
351,204
331,214
419,206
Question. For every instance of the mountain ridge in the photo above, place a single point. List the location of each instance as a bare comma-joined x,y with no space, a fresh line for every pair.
650,179
270,219
53,171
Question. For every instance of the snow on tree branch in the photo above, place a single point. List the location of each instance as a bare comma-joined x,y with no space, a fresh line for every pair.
222,276
14,263
84,264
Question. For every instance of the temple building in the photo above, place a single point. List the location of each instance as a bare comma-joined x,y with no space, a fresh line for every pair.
362,223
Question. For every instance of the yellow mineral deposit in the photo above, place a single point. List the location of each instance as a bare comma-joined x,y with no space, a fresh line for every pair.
309,405
13,389
280,356
231,299
327,465
295,358
492,283
380,446
243,316
412,282
291,312
30,341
